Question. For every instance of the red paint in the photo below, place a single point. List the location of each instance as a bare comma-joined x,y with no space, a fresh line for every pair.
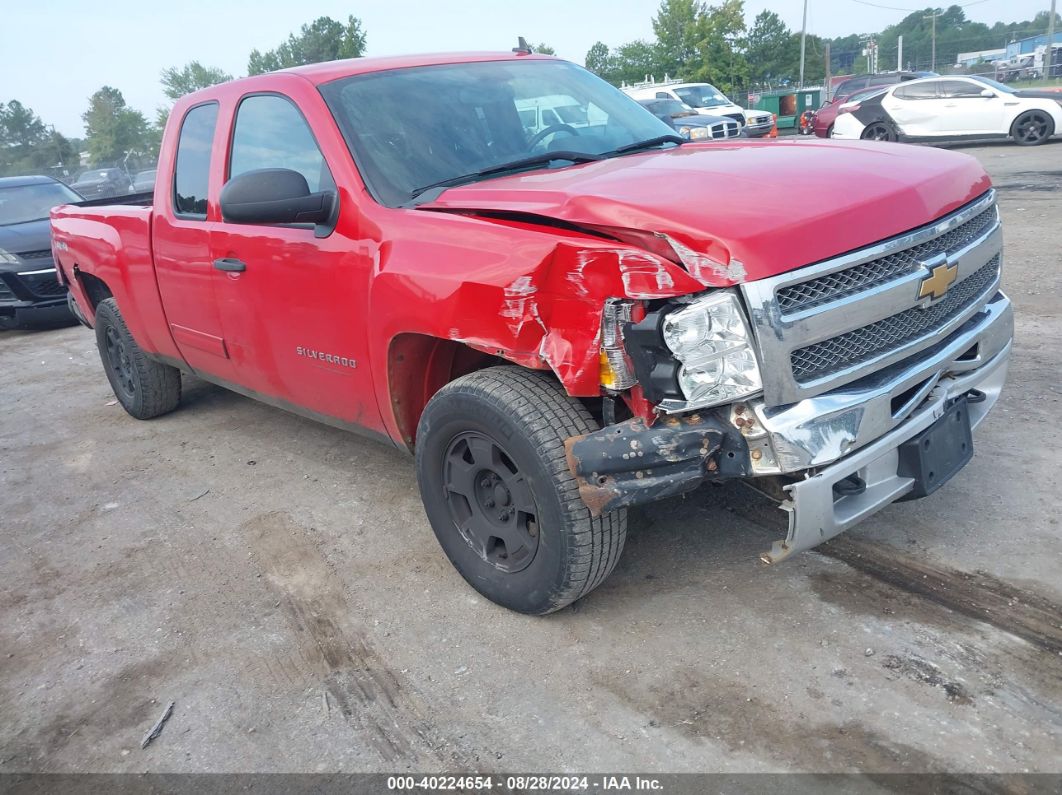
826,115
329,324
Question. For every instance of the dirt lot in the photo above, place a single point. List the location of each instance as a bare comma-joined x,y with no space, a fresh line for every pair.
277,579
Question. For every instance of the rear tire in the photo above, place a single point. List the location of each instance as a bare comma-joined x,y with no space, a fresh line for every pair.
878,131
1032,128
144,387
499,494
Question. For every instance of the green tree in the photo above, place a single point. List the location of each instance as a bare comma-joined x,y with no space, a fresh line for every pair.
190,77
29,146
768,49
720,45
675,26
597,59
634,61
114,131
543,48
324,39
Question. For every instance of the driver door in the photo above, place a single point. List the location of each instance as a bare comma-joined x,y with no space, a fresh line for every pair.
293,306
967,112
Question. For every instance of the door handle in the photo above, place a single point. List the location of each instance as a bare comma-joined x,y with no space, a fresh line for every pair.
230,265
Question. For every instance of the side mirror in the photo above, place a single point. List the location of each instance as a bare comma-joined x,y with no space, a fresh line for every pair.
277,196
987,93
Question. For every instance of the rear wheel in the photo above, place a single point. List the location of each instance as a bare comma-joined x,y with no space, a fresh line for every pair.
500,497
144,387
1033,127
878,131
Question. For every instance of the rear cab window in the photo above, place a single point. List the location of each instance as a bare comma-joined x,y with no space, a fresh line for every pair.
191,173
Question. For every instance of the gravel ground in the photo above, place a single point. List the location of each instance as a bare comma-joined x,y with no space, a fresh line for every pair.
277,579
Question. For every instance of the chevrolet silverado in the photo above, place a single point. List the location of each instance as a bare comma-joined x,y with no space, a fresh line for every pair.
563,323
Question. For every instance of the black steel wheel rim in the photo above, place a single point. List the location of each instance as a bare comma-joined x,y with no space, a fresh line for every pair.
121,365
1033,128
490,502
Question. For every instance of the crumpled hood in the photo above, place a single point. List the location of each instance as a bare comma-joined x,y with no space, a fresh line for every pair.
742,210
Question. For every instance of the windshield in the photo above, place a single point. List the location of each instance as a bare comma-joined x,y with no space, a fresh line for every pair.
408,128
25,203
988,81
705,96
668,107
90,176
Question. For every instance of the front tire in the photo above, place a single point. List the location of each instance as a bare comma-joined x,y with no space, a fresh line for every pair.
144,387
499,494
1032,128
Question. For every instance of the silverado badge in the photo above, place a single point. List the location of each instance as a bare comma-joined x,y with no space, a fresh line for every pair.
941,276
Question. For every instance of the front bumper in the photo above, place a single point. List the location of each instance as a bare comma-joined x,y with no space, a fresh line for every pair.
814,444
759,130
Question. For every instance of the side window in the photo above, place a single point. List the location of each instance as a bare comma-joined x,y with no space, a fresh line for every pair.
883,80
960,89
192,170
916,91
271,133
663,95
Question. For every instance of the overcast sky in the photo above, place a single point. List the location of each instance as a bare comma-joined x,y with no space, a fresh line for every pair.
55,53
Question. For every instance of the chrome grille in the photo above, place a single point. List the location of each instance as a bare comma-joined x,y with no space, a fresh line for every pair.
41,254
837,285
823,326
44,285
866,343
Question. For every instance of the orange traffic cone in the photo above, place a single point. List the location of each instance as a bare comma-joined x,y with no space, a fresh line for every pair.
774,130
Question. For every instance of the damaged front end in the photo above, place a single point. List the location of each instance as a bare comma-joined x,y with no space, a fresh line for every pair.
633,463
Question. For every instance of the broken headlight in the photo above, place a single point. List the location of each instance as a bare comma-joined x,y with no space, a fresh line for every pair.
711,340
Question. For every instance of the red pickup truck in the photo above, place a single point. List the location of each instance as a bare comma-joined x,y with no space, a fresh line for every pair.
559,323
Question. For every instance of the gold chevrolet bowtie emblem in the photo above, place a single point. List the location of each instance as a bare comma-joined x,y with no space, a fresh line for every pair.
940,278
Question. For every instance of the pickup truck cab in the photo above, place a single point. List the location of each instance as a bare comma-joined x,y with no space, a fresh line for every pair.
559,324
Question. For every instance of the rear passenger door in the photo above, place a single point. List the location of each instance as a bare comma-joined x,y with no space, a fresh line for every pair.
295,316
915,108
180,235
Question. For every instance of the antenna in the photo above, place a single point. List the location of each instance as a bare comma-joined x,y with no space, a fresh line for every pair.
522,47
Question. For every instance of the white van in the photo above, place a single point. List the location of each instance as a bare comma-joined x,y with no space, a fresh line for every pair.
707,100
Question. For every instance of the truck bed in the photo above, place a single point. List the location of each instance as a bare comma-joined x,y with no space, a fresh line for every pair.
104,246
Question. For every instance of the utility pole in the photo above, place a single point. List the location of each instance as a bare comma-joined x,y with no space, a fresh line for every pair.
826,82
1049,53
803,37
899,53
933,59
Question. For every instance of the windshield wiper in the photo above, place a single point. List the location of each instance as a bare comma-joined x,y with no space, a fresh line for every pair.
649,144
527,162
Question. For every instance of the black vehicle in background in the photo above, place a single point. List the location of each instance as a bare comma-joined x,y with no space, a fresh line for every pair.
30,293
144,181
689,123
100,183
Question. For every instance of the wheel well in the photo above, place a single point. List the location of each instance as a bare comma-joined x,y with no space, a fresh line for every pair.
95,288
418,366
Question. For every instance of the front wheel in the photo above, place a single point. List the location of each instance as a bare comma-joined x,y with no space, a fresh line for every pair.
499,495
878,131
1033,127
144,387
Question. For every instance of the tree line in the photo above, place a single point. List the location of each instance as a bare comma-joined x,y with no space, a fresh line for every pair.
696,41
118,135
691,41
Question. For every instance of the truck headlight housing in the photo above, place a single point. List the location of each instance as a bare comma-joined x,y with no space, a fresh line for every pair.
700,133
711,340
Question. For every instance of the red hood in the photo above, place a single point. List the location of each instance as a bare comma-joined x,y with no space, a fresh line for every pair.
745,210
